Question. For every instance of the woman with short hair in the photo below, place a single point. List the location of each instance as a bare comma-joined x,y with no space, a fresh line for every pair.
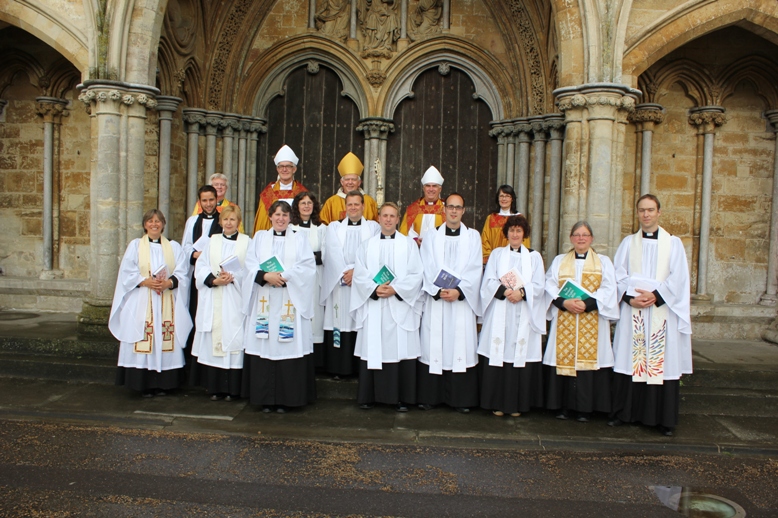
579,358
148,317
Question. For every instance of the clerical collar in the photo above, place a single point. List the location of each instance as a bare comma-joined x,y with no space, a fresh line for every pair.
651,235
285,187
305,224
517,250
384,236
156,241
208,216
581,256
452,232
355,223
505,213
233,237
279,233
429,202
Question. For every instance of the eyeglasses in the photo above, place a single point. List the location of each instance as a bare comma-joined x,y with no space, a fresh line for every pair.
577,236
455,207
285,167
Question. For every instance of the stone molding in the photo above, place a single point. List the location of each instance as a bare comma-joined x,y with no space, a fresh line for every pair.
112,94
770,115
167,105
654,113
194,118
530,46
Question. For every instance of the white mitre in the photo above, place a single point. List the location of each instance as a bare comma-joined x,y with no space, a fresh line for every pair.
285,154
432,175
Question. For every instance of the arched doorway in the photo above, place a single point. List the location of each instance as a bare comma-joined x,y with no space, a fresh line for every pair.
443,125
318,122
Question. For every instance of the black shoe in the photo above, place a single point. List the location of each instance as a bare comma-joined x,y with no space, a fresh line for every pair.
230,398
366,406
401,407
666,431
216,397
267,409
462,410
281,409
615,422
423,406
562,415
583,418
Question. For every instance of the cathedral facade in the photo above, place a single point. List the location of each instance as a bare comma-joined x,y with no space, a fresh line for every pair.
111,107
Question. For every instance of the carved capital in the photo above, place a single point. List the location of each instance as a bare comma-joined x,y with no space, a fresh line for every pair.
571,102
770,115
708,118
51,109
376,128
647,113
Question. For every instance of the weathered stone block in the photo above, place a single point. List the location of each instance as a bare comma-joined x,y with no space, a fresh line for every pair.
32,227
9,162
68,224
31,162
729,249
671,182
734,203
32,200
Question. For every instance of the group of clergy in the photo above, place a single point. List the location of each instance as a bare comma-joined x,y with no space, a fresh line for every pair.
338,289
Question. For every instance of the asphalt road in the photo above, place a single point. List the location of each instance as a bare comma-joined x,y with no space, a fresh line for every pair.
58,469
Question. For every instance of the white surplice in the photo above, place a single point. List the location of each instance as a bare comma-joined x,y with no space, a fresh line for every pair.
230,319
316,238
128,311
448,329
607,308
341,246
388,328
511,332
300,275
675,290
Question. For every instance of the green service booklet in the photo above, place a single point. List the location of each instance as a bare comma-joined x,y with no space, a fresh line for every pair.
272,265
384,275
572,290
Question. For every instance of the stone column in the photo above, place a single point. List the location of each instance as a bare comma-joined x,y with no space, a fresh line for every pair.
256,127
52,110
506,144
538,182
311,14
595,116
3,102
771,293
403,19
446,17
556,127
375,130
137,100
240,187
103,100
166,107
352,27
194,118
646,116
212,120
521,167
229,124
706,119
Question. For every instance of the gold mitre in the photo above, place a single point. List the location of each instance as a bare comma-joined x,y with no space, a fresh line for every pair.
350,165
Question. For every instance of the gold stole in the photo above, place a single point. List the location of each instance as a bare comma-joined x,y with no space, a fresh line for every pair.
576,335
145,346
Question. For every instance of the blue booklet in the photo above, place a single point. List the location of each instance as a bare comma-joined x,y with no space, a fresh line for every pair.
446,280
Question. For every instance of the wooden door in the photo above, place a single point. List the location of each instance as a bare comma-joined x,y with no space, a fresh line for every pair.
442,125
318,123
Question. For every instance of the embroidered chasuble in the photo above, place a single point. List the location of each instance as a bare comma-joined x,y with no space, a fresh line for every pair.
577,335
421,216
334,209
270,195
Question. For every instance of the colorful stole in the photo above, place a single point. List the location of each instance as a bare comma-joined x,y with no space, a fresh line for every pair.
262,306
269,196
420,208
145,346
648,356
215,257
375,314
577,335
501,308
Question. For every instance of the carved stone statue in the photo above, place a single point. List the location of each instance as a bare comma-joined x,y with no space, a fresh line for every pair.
425,19
332,18
380,27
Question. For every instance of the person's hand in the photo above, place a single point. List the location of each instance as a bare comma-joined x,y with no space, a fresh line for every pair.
223,279
513,296
385,291
575,306
643,300
347,277
196,254
275,279
449,295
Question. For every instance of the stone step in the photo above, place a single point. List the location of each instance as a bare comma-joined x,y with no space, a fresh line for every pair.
66,347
